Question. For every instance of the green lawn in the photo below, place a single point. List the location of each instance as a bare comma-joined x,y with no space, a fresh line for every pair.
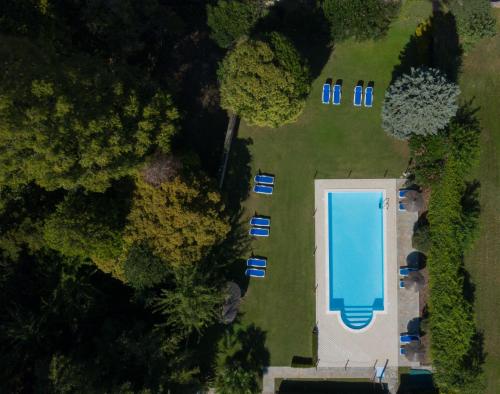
326,142
481,80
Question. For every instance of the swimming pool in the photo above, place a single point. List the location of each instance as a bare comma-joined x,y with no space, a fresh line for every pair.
356,255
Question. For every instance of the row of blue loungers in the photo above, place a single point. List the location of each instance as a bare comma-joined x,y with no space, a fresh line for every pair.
260,226
405,339
264,184
256,267
337,95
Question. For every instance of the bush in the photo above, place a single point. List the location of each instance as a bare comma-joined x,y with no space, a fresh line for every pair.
422,103
230,20
474,19
361,19
421,237
266,83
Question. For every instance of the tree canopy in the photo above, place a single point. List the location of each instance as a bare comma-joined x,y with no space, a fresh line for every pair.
265,82
180,220
419,103
474,19
74,122
231,19
361,19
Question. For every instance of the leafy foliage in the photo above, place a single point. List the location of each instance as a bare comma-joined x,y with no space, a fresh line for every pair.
266,83
361,19
180,220
71,123
235,380
474,19
231,19
421,103
142,269
421,237
192,305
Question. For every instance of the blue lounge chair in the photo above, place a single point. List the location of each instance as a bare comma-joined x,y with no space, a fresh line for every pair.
263,189
264,179
405,271
255,273
405,338
402,193
402,207
257,262
260,221
337,94
402,351
402,284
259,232
368,96
358,96
326,93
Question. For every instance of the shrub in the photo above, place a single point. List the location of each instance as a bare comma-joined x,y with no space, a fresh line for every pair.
230,20
266,83
361,19
421,237
422,103
474,19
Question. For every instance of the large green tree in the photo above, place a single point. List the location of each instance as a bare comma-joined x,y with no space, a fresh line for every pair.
180,220
421,103
361,19
142,269
265,82
73,122
230,20
474,19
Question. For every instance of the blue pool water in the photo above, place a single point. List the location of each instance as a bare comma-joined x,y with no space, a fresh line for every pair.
356,255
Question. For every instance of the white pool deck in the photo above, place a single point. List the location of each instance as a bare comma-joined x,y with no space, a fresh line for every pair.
377,344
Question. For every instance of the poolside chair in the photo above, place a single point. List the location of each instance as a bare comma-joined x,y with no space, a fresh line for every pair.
260,221
255,273
358,96
405,338
259,232
258,262
337,94
402,193
368,96
405,271
402,284
326,93
263,189
401,207
264,179
402,350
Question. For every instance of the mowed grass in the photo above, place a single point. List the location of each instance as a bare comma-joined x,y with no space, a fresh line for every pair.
326,142
481,81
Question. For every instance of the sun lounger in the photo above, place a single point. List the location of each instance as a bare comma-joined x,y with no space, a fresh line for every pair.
260,221
264,179
358,96
402,207
402,351
402,193
257,262
326,93
405,338
337,94
255,273
405,271
263,189
259,232
402,284
368,96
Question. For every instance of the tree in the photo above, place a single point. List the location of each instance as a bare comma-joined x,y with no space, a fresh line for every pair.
421,237
421,103
474,20
142,269
180,220
74,122
192,305
266,83
230,20
235,379
361,19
